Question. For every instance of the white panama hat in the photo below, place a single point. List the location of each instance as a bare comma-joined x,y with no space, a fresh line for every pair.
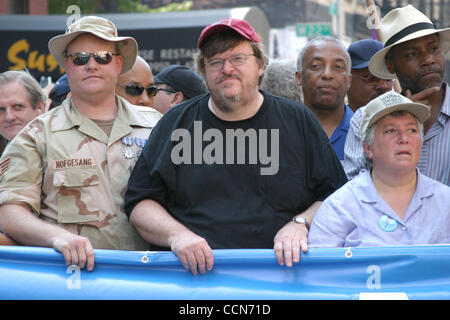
401,25
99,27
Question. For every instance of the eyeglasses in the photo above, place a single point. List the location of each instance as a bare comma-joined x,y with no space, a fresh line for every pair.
236,60
82,58
134,90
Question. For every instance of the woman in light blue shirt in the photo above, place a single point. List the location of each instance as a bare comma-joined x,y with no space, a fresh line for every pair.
393,203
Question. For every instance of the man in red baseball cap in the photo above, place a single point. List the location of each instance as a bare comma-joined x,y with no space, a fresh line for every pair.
235,168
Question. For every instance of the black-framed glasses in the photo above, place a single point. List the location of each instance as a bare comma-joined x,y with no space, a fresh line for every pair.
135,90
235,60
82,58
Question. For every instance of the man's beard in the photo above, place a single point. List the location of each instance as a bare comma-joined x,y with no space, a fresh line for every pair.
224,101
417,84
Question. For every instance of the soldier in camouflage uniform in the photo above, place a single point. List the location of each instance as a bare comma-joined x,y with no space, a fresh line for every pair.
63,179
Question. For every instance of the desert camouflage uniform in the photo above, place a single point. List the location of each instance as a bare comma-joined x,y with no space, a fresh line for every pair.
70,173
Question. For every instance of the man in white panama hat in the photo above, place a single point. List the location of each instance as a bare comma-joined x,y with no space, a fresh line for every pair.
414,53
63,177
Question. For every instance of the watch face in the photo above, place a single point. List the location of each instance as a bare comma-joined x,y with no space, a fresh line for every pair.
300,220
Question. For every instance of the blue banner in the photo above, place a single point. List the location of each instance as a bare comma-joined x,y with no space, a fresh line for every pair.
400,272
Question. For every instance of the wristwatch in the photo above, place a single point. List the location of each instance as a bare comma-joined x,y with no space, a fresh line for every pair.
302,221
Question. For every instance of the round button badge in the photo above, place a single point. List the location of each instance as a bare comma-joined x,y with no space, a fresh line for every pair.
387,224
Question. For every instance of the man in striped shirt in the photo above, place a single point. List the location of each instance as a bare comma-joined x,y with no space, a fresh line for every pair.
414,53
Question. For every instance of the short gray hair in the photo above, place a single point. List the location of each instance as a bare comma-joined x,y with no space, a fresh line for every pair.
313,42
34,90
369,136
279,79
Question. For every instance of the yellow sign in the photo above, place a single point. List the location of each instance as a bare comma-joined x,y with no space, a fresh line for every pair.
45,63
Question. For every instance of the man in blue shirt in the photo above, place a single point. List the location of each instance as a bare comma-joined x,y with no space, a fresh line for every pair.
323,71
393,203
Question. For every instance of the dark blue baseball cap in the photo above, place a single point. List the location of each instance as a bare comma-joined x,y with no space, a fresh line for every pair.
361,52
183,79
62,86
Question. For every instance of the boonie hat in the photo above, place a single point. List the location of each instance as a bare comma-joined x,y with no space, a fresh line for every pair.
362,50
99,27
401,25
387,103
240,26
182,79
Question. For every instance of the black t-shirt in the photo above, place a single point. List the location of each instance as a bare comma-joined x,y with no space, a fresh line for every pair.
213,184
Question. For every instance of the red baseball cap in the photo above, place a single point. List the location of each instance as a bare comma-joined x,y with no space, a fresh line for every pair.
240,26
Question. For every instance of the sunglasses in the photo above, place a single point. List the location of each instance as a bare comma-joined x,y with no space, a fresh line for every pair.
82,58
164,89
134,90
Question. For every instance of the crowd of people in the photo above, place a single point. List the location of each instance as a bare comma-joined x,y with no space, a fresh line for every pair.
347,147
